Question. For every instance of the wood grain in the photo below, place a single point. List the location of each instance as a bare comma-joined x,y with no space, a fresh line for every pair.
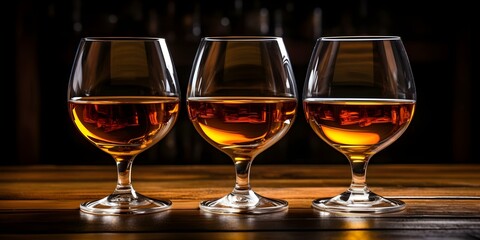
42,202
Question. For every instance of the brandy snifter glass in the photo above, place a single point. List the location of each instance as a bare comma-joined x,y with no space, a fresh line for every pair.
123,96
359,97
242,99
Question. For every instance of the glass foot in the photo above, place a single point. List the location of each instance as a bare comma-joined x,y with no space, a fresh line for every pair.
352,202
247,202
125,204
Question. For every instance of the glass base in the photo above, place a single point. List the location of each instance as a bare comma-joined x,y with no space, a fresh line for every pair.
125,204
351,202
247,202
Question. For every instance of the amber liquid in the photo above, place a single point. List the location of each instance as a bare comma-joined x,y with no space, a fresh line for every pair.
359,126
124,125
242,126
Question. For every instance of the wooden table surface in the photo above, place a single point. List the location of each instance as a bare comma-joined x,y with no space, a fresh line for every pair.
42,202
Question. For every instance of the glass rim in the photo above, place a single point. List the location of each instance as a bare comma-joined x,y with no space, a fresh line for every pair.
111,38
242,38
361,38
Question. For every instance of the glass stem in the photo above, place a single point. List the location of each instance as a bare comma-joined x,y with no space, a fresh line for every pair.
124,178
242,178
359,174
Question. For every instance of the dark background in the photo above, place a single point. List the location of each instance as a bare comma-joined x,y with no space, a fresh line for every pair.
40,40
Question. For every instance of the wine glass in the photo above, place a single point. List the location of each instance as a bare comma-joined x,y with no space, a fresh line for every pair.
242,99
123,96
359,97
